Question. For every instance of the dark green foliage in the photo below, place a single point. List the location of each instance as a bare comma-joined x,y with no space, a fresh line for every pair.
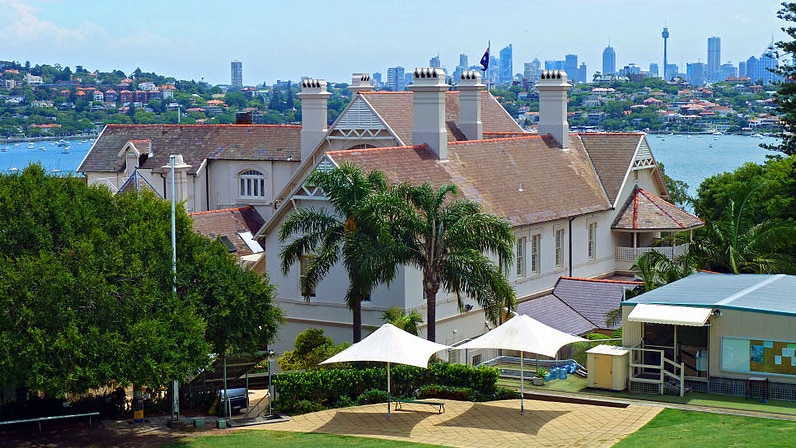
372,396
446,392
786,90
334,387
504,393
86,282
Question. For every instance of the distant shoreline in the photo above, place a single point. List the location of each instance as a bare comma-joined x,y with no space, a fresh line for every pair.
48,138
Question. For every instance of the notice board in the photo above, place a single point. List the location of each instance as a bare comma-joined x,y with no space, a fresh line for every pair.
758,356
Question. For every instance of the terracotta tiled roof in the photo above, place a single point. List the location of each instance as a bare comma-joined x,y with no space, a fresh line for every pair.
525,180
228,222
397,110
612,155
645,211
196,143
578,306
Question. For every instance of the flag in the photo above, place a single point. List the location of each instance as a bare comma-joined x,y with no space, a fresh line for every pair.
485,59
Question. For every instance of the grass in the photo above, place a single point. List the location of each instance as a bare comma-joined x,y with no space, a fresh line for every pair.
580,385
283,439
675,428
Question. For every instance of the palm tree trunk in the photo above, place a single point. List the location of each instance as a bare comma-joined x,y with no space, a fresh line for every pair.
356,309
431,303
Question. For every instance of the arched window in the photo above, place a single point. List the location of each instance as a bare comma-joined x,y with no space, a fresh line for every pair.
252,184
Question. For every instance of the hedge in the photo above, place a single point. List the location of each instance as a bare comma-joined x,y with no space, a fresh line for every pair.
340,387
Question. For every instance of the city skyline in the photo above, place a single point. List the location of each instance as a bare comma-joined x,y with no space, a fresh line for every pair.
286,41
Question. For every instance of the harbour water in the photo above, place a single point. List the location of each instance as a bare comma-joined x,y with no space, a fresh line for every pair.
693,158
689,158
56,159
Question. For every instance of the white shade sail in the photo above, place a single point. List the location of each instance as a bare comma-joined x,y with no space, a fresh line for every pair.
525,334
390,344
669,314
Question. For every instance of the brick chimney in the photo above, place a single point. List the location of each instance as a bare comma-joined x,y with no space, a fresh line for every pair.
314,98
428,88
470,88
360,82
553,88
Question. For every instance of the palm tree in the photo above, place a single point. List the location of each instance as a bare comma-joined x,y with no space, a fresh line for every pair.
322,237
407,322
448,240
737,243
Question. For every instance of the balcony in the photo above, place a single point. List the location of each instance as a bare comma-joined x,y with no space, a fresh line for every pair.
627,256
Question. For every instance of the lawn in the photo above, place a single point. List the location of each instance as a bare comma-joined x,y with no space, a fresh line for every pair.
675,428
283,439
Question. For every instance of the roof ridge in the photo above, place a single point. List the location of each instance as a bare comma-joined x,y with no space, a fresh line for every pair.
601,280
202,125
231,209
499,139
343,151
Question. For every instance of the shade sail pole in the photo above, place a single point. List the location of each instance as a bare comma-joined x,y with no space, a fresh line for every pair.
522,382
388,390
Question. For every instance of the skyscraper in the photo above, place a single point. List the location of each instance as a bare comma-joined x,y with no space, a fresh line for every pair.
434,62
714,59
236,68
609,60
571,66
665,35
395,79
506,74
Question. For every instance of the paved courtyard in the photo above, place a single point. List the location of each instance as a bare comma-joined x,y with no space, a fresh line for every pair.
493,424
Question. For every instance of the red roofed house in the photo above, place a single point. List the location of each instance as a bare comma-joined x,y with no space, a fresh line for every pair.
581,205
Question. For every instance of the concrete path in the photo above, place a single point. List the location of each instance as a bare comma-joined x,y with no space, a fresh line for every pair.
492,424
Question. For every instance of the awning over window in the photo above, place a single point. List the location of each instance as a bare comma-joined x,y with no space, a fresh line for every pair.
670,314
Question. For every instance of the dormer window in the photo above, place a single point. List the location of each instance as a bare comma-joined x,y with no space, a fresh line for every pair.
252,184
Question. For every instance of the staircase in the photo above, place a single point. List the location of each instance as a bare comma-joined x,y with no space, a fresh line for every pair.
666,374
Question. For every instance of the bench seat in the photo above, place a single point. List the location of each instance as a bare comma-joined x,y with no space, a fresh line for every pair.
437,404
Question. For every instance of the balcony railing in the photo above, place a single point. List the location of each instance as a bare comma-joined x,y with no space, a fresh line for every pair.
631,254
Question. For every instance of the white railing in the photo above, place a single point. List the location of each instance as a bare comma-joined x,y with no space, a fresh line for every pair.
631,254
640,371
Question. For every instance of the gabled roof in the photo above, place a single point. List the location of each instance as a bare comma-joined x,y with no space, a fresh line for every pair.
644,211
230,223
136,182
612,155
578,305
196,143
764,293
525,180
397,111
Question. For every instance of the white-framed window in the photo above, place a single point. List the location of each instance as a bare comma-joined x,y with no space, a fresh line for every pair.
251,184
521,244
591,245
536,253
560,248
304,264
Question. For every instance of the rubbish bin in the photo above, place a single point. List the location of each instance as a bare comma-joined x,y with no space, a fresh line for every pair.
236,397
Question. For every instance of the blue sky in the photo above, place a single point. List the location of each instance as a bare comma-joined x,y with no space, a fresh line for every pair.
288,39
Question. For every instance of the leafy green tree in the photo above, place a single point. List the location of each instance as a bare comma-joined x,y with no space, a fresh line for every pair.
449,241
86,278
786,91
311,348
408,322
326,237
737,242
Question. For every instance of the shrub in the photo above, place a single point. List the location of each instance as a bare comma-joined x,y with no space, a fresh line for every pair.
304,407
344,401
447,392
372,396
503,393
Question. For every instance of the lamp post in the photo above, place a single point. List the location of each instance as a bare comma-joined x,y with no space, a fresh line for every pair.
271,358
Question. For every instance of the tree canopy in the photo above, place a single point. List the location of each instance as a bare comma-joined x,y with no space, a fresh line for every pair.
786,90
86,289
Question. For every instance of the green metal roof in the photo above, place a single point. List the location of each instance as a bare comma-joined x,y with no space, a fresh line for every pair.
750,292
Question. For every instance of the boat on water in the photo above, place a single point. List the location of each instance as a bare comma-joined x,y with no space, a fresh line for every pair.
758,136
65,150
42,148
4,149
62,143
31,145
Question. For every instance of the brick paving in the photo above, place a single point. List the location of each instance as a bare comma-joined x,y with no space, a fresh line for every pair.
493,424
